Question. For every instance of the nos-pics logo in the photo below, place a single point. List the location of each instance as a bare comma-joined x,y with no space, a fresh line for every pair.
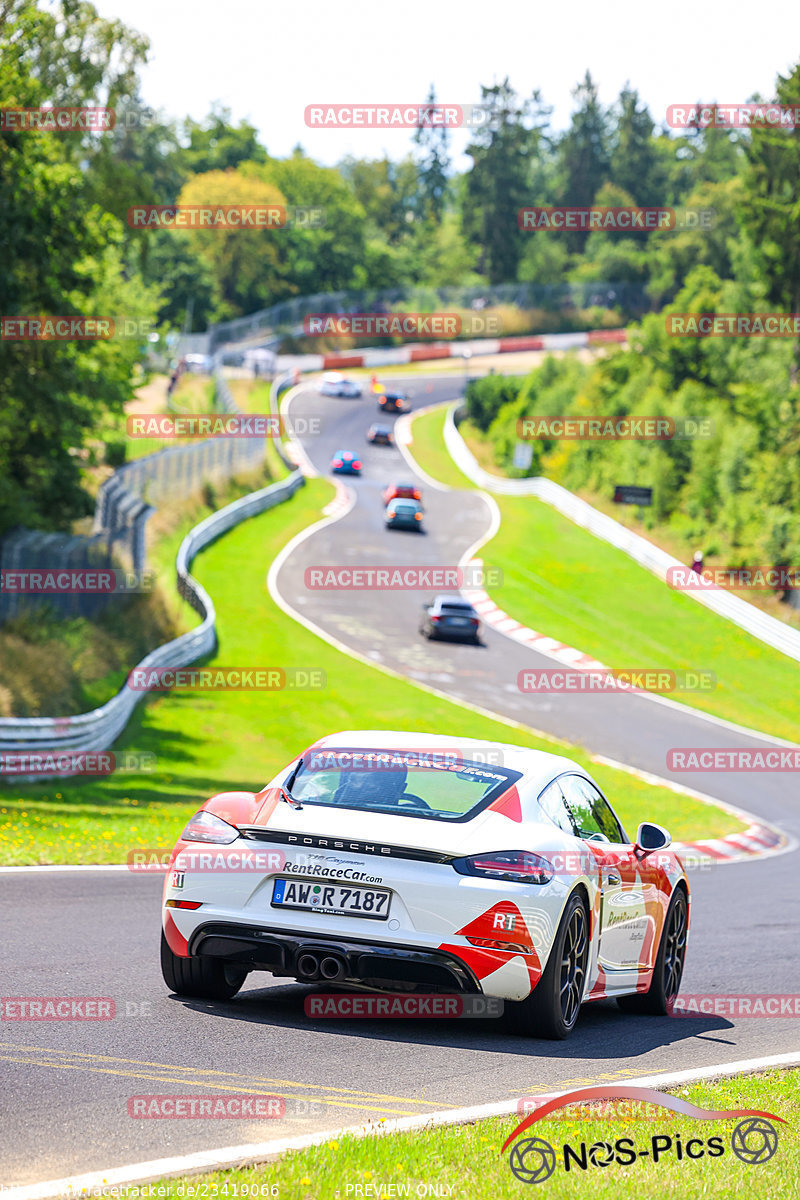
754,1140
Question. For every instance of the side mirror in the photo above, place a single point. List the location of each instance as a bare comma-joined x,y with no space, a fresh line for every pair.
651,837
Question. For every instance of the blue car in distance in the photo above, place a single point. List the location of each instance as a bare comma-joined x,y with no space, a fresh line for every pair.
344,462
403,514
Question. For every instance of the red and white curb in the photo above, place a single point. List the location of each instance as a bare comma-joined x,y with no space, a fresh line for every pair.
416,352
493,615
341,503
757,841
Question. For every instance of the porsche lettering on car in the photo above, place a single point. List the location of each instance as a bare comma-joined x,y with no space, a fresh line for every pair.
430,864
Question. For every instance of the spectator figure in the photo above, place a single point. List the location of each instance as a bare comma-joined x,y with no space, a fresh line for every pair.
697,562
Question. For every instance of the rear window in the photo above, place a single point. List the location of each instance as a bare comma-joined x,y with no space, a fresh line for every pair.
457,610
431,786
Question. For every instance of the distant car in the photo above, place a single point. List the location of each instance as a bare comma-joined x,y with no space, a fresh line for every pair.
450,617
379,435
199,364
393,402
403,514
401,491
334,384
345,463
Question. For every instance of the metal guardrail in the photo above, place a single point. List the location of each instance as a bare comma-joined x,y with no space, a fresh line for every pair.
761,625
288,315
97,730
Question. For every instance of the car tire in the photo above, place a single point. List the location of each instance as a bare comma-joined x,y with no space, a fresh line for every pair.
670,961
547,1012
203,978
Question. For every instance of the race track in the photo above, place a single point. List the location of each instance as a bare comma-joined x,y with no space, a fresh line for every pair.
95,933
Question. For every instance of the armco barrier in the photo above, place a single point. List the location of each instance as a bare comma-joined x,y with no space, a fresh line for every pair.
762,626
97,730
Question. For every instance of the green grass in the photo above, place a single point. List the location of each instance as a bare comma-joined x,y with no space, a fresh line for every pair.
563,582
464,1161
206,743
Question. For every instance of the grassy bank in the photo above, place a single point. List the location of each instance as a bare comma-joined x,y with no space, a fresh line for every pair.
465,1161
236,740
563,582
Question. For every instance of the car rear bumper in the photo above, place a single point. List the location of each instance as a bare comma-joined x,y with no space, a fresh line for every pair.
455,635
373,964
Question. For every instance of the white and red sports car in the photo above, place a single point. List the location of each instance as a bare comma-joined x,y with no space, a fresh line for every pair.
402,862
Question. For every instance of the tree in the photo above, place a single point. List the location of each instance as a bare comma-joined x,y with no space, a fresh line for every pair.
62,256
246,264
217,144
635,164
432,165
771,205
583,157
316,257
498,184
386,191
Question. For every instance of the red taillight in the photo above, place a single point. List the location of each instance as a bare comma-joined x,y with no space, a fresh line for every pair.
474,620
356,465
436,618
417,516
512,866
416,496
337,462
184,904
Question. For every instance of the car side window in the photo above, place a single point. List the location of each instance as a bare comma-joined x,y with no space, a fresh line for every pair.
552,803
590,811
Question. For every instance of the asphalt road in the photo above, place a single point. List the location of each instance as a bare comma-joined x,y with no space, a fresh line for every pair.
95,933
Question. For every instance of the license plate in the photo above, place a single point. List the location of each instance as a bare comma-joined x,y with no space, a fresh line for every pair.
333,900
459,621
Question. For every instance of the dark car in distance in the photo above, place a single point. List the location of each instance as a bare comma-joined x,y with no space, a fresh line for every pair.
393,402
403,514
379,435
450,617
